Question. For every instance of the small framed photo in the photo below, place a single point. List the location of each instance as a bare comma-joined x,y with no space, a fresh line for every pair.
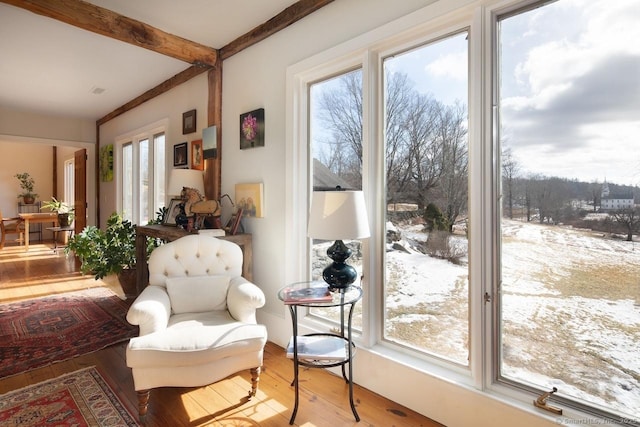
197,155
180,155
189,122
173,211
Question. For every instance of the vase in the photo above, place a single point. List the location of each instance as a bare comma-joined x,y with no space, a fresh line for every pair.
28,200
63,219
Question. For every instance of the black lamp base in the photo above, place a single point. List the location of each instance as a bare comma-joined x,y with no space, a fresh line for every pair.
338,274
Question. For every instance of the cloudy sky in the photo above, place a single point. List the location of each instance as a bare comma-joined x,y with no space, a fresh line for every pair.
570,87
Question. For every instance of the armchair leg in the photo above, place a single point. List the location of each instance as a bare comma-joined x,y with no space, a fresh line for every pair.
143,404
255,379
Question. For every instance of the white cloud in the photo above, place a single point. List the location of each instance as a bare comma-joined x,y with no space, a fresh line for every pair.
453,65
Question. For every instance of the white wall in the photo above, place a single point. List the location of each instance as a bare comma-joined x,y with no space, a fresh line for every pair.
166,107
26,141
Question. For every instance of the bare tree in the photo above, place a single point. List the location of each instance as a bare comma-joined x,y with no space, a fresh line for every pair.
629,219
424,146
399,95
341,111
455,168
510,171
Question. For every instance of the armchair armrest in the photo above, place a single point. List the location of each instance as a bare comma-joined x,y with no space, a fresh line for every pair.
150,310
243,299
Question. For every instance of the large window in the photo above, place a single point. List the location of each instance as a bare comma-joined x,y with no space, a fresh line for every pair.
426,292
143,177
336,159
497,151
569,76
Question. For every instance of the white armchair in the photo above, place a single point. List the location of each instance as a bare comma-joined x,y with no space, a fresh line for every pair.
197,318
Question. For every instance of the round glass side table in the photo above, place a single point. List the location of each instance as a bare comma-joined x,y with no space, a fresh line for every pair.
331,349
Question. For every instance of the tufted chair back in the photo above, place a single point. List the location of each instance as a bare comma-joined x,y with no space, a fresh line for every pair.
194,255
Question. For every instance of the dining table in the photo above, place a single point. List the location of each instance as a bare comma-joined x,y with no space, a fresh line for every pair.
36,217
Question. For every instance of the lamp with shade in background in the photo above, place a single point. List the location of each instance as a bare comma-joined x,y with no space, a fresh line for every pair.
337,215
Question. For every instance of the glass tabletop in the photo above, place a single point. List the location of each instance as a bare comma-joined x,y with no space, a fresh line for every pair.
312,294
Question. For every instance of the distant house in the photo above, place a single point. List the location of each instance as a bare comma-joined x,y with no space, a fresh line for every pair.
613,202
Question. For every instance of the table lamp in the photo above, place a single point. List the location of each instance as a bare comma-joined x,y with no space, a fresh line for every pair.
190,178
337,215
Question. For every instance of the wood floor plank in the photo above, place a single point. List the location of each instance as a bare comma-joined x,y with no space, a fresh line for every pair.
323,396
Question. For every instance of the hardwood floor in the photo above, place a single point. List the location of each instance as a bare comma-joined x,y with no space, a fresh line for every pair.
323,396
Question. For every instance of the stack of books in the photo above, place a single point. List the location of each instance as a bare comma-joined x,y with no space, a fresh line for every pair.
319,347
312,294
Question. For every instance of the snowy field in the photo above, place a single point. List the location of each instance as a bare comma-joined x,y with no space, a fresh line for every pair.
571,310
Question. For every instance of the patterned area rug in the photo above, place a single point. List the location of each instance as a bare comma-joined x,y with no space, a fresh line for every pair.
38,332
78,399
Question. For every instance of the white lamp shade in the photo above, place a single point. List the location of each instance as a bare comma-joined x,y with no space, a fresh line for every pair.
179,178
338,215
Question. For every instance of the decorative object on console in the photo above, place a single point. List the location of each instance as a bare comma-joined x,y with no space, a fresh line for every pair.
234,222
197,156
189,122
337,215
249,197
178,180
180,155
176,208
252,129
26,183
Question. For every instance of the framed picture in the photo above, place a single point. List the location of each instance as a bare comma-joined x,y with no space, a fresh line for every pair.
249,198
234,222
173,210
189,122
180,154
252,129
210,142
197,155
106,163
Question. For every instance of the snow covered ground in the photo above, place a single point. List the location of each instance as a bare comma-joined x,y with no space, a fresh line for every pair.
570,307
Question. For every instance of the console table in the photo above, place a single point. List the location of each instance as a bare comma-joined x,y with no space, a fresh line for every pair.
168,234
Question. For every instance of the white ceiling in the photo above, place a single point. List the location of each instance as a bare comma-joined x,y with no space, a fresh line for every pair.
50,67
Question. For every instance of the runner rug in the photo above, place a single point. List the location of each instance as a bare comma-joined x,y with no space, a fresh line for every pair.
37,332
78,399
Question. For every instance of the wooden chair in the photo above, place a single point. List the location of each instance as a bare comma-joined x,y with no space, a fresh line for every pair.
10,226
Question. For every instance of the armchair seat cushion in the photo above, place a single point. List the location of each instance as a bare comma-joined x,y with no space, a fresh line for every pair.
195,339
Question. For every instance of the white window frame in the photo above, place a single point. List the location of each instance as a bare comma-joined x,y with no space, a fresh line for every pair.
367,52
148,132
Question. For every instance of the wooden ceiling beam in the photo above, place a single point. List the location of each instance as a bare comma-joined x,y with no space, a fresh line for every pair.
163,87
105,22
288,16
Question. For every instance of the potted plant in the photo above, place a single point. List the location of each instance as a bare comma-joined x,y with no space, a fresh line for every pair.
111,251
64,211
26,183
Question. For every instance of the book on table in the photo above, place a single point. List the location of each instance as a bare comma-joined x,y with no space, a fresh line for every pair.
311,294
319,347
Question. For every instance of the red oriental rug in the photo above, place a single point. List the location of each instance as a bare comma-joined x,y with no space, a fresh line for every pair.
78,399
37,332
